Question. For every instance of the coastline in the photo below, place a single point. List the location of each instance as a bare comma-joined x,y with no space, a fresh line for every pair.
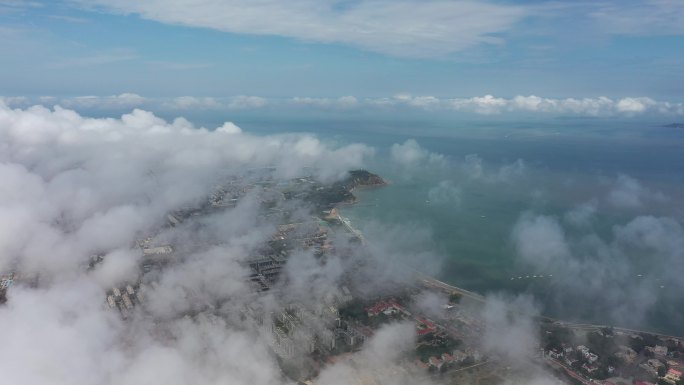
430,281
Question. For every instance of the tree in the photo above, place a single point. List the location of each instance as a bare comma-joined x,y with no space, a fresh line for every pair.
637,344
455,297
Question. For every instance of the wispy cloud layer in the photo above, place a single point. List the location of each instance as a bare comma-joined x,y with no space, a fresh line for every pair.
95,59
652,17
405,28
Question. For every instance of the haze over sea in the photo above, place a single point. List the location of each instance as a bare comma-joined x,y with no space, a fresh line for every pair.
532,206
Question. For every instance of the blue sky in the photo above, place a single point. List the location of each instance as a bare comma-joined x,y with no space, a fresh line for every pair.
331,49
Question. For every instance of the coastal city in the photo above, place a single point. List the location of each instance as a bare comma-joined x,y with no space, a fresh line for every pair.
305,337
342,192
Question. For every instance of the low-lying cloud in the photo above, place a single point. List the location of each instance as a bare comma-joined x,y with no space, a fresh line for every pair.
628,193
411,154
77,189
474,168
618,277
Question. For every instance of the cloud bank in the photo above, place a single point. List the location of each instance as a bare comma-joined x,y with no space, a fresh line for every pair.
77,188
487,105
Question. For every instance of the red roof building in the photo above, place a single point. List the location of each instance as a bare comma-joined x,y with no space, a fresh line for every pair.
387,307
425,327
436,362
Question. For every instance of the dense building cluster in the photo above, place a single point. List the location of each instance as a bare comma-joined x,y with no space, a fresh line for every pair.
124,298
614,355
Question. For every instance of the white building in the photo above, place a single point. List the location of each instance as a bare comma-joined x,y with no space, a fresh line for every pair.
660,350
159,250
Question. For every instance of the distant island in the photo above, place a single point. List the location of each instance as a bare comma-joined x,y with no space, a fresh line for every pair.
674,125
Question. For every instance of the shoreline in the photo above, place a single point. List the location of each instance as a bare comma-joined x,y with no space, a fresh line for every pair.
436,283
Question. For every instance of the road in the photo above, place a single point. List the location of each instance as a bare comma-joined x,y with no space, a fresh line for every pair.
435,283
347,224
592,327
452,372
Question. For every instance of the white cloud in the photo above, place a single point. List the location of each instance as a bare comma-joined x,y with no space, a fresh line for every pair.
601,106
347,101
229,128
130,100
635,105
95,59
510,329
604,273
69,19
411,154
492,105
180,66
11,6
651,17
378,361
75,186
445,193
424,102
582,214
121,101
509,172
482,105
16,101
247,102
343,102
60,147
664,235
628,193
485,105
474,168
540,240
401,28
192,102
118,266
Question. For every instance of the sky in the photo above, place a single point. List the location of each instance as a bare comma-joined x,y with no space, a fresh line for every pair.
367,52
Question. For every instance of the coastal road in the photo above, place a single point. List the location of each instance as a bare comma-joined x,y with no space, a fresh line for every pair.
435,283
592,327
